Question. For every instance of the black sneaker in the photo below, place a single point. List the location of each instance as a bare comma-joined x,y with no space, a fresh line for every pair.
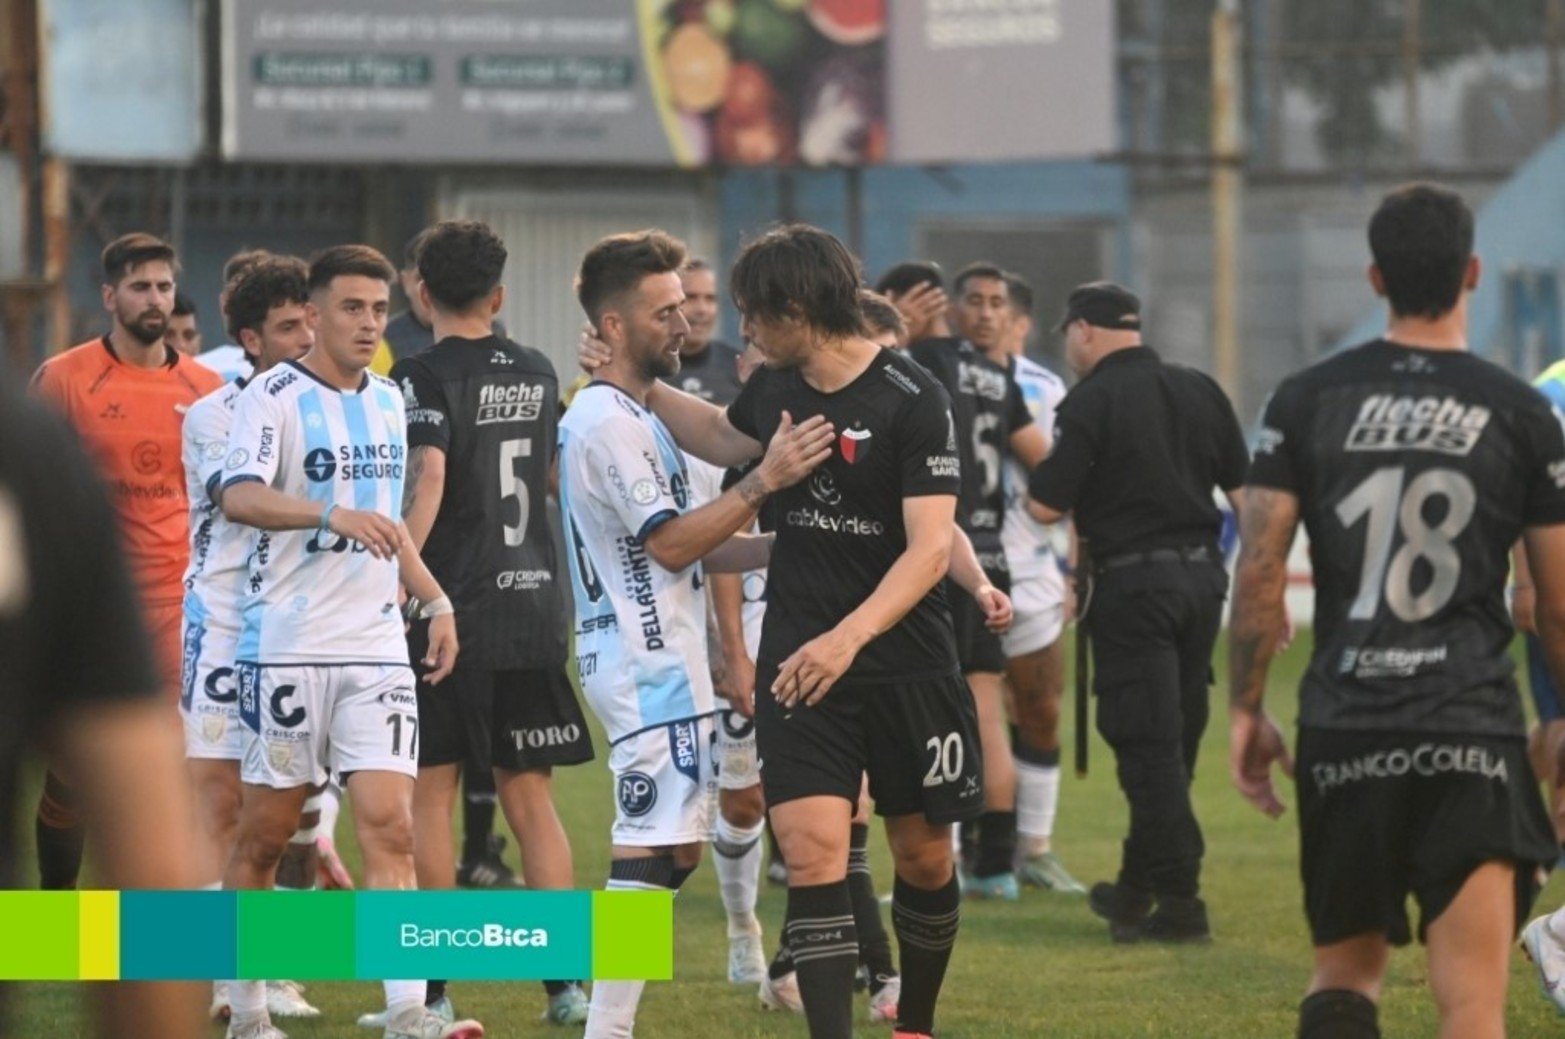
1124,908
488,870
1178,921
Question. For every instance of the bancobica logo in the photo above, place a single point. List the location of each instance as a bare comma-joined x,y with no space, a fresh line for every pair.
486,936
637,793
319,465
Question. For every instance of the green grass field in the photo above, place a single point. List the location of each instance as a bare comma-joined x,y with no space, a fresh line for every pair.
1041,968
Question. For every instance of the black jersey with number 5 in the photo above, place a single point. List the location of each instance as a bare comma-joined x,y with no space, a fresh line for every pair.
841,529
493,408
988,407
1416,471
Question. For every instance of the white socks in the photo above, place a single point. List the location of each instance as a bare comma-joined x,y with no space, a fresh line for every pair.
737,858
402,995
331,806
246,1002
1037,798
612,1014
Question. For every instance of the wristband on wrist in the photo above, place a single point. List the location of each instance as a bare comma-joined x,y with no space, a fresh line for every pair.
330,508
438,607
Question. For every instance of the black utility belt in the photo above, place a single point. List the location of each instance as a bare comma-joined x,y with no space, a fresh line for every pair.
1198,554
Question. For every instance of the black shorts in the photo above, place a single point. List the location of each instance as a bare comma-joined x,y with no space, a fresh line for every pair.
978,649
510,719
918,740
1382,816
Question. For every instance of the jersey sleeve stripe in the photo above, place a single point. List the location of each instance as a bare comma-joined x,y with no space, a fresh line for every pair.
653,522
241,478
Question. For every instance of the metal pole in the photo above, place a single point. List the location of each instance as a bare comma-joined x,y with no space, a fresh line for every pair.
1227,191
1412,46
57,249
1554,29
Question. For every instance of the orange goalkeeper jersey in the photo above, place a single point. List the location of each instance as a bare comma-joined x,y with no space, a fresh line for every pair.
130,419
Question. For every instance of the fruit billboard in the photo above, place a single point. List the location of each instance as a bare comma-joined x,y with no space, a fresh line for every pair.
576,82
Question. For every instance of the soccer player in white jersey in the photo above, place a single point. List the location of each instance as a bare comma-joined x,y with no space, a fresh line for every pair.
637,548
1034,651
316,463
264,309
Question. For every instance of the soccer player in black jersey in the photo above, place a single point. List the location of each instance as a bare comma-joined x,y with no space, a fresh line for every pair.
992,423
482,415
858,669
1414,466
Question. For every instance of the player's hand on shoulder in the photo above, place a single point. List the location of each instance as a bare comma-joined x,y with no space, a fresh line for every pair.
795,451
443,648
996,605
1255,743
381,535
592,352
806,677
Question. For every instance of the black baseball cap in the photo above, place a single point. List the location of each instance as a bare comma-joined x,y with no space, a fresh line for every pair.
1102,304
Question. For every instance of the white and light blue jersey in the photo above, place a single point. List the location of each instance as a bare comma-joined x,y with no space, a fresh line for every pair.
640,630
219,550
311,597
1028,545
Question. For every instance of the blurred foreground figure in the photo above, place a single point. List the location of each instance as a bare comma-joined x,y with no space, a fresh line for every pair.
79,684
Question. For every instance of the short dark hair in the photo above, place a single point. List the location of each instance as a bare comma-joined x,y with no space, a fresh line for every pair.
1421,238
1019,292
461,263
269,282
799,270
909,275
184,306
133,250
618,263
697,263
414,246
242,261
880,314
981,269
343,260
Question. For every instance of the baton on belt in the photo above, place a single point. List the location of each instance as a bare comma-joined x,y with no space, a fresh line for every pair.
1083,578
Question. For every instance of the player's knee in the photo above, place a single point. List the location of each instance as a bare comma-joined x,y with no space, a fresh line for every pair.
742,808
262,845
220,807
925,864
814,854
387,830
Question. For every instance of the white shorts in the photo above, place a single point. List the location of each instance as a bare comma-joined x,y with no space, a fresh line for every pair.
738,767
300,720
209,693
1039,604
665,785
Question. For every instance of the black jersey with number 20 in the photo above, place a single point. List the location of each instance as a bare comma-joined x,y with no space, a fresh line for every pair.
841,529
493,408
1416,471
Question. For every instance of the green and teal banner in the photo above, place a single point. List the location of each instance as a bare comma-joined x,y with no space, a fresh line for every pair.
335,935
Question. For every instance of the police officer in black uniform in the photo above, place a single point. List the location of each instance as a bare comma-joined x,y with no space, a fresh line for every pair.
1139,445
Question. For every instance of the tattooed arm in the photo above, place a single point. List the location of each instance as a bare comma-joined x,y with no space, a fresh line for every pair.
1257,626
422,491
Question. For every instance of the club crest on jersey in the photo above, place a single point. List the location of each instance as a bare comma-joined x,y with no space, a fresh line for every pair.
637,793
213,727
854,444
1444,425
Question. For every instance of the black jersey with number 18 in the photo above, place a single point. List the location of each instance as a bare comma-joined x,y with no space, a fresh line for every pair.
493,408
840,530
1416,471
